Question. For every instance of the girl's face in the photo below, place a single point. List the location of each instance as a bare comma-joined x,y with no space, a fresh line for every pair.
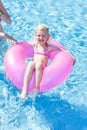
42,37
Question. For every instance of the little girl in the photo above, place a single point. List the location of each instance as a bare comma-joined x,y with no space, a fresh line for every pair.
41,52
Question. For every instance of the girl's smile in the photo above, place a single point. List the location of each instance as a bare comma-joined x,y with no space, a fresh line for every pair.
41,37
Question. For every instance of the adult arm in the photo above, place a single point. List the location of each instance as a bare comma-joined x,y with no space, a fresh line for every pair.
4,14
8,37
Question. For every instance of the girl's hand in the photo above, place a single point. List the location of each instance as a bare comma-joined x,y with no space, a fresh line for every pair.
74,60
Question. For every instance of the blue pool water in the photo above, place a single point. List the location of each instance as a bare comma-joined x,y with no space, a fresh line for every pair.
64,107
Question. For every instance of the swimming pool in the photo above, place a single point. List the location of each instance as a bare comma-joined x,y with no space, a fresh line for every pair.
64,107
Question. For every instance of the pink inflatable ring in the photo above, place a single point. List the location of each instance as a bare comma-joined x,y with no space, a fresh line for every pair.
56,72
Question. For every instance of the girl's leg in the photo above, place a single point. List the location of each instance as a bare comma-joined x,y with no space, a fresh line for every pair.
27,77
39,72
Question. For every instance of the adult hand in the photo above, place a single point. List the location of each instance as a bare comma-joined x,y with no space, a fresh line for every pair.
10,39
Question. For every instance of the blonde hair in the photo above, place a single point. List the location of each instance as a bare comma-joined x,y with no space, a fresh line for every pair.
42,27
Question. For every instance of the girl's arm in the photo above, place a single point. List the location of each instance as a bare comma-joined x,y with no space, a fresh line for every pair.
31,43
51,48
4,14
61,49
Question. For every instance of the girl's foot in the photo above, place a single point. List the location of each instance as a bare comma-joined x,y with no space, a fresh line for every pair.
23,95
34,92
